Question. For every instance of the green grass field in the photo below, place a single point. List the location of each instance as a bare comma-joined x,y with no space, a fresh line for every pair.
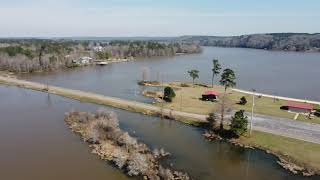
299,151
187,99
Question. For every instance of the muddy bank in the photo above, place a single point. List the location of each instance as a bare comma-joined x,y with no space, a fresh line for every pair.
153,94
287,162
102,132
8,74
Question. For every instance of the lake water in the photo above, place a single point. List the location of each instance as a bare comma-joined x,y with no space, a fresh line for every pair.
289,74
37,144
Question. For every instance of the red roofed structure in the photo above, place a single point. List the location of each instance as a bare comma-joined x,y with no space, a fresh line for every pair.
299,107
210,96
211,93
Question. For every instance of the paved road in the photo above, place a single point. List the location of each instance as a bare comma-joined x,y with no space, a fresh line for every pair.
285,127
277,97
289,128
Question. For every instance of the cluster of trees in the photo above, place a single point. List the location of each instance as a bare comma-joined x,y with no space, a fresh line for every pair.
239,121
103,55
15,50
35,55
31,55
238,125
273,41
124,49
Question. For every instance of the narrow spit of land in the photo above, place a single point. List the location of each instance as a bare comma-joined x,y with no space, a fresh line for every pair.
289,128
105,100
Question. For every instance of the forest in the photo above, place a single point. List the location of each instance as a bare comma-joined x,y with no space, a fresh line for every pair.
32,55
273,41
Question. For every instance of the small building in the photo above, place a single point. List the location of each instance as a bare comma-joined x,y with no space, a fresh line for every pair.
210,96
85,60
298,107
82,61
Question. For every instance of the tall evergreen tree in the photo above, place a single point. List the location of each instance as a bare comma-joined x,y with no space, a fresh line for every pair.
215,69
239,123
228,79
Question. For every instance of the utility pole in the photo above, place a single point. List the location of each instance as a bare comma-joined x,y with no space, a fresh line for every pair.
162,102
181,101
162,108
252,108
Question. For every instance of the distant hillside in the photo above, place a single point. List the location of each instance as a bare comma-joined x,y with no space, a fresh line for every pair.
273,41
99,39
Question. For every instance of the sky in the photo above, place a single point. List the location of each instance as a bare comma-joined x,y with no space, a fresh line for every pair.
124,18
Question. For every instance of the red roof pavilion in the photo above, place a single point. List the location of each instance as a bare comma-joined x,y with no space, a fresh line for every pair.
208,93
300,105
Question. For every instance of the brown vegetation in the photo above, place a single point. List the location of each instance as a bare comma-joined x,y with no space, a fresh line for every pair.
101,130
43,55
124,49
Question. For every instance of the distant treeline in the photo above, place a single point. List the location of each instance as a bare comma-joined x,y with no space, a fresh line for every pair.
29,55
34,55
273,41
125,49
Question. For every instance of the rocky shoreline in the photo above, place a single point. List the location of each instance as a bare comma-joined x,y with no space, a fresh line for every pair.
102,132
284,161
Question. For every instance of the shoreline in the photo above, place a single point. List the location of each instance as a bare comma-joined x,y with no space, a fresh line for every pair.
110,101
286,162
147,109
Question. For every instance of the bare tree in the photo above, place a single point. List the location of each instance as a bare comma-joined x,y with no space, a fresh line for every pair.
145,74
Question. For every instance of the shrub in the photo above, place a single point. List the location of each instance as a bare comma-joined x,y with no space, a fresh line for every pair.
239,123
15,50
137,164
184,85
168,94
243,101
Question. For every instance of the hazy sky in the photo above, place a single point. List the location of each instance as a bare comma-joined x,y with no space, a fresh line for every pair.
156,17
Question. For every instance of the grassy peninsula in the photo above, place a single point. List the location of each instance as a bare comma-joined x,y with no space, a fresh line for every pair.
188,100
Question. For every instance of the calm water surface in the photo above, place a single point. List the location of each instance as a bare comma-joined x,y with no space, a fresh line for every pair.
281,73
37,144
